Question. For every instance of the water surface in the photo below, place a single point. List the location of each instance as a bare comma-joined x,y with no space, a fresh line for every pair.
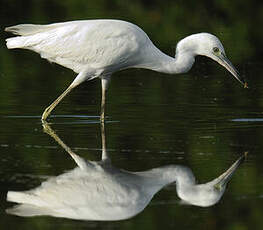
203,119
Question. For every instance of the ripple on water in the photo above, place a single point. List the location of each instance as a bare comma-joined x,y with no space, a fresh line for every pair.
248,120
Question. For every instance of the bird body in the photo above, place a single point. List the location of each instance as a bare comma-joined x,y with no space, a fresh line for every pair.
99,191
104,192
102,45
91,194
98,48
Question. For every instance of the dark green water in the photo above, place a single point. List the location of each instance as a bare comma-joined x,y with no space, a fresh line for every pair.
203,119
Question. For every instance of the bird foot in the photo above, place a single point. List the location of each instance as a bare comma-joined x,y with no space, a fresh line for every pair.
45,114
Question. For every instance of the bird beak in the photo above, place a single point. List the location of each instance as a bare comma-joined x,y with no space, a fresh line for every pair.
222,180
223,60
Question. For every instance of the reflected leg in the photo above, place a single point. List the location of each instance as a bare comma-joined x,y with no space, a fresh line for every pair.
104,156
79,161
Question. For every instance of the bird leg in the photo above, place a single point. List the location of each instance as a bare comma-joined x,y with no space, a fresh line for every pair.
81,77
104,87
104,156
79,161
54,104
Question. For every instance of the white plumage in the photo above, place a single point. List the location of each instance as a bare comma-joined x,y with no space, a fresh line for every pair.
79,45
98,48
100,191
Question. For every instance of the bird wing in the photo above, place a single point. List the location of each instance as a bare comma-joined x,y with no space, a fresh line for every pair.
93,194
97,44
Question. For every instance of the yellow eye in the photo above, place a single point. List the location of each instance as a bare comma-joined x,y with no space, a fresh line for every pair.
215,50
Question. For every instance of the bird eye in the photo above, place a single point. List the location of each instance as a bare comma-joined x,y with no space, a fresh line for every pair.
215,50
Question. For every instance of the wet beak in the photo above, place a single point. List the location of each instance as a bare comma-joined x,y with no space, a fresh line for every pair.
223,60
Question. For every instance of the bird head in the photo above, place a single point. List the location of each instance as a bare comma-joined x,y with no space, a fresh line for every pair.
208,45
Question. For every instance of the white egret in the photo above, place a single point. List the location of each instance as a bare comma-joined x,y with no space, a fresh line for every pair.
100,191
98,48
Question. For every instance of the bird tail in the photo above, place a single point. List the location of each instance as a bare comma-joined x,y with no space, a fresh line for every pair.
16,42
27,210
19,197
29,205
24,198
23,31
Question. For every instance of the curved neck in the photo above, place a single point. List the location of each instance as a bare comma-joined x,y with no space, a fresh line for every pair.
168,174
161,62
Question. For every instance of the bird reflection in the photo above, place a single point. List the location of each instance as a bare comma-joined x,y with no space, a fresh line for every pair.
100,191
